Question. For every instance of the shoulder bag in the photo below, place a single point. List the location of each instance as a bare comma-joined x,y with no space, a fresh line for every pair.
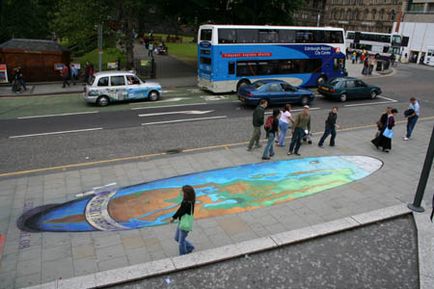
186,223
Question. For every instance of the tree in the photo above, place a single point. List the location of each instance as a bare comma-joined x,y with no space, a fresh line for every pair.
25,18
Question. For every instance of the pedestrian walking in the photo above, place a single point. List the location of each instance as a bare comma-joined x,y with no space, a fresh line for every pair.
271,134
371,63
301,128
330,127
18,81
354,57
186,210
381,123
151,49
89,71
74,74
412,115
285,122
258,122
365,66
64,73
384,140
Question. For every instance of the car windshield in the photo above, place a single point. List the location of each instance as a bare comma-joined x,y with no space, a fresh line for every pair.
258,84
335,82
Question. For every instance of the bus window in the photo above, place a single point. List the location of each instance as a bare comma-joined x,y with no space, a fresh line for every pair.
385,49
206,34
304,36
227,36
268,36
338,64
286,36
231,68
247,36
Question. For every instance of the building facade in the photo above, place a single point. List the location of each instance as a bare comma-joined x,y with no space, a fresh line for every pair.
362,15
312,13
417,23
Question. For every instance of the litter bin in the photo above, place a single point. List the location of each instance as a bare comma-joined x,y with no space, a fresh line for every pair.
379,66
386,65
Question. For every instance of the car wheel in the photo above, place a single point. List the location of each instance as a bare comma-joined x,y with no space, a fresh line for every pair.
343,97
304,100
102,101
154,95
321,80
242,83
373,94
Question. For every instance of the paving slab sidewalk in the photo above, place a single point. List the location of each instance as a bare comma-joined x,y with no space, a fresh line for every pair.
33,258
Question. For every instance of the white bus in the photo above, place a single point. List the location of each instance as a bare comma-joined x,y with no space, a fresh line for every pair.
384,44
429,56
230,56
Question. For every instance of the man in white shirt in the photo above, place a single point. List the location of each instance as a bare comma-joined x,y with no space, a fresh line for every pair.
414,109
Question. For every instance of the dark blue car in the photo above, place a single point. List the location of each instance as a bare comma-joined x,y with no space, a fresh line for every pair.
275,92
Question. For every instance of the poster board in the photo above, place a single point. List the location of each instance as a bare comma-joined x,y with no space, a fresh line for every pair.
3,73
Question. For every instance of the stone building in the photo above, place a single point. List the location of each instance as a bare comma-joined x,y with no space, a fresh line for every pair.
312,13
358,15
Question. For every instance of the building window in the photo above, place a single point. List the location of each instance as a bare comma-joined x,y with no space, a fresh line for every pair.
373,14
381,14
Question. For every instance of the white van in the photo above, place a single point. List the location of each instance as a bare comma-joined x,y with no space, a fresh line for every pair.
113,86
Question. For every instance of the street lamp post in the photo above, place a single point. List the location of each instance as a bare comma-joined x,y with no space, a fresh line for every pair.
100,51
416,206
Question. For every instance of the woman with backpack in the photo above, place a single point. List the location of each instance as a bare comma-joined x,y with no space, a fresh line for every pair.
272,128
186,210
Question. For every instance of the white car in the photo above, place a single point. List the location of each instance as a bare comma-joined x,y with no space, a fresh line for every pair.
112,86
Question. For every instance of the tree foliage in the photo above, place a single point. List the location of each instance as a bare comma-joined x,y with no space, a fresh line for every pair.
25,18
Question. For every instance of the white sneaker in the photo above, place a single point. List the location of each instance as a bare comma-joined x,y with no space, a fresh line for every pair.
405,138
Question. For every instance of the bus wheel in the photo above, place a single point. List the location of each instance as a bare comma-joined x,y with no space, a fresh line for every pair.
343,97
321,80
373,94
304,100
102,101
242,83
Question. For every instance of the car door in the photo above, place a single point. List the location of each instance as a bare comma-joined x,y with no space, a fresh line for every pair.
118,88
276,93
362,89
135,88
350,88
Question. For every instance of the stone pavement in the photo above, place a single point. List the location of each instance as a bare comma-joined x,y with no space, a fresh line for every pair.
34,258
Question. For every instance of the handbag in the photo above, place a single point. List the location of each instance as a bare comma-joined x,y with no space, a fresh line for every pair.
186,223
388,133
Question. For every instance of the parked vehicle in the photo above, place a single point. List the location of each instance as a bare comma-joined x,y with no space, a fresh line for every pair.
346,88
275,92
113,86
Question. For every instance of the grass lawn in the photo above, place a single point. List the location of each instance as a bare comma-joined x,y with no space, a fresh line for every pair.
109,55
183,51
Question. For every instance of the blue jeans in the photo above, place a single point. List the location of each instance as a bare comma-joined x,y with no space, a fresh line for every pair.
411,123
283,128
269,150
296,140
327,132
185,246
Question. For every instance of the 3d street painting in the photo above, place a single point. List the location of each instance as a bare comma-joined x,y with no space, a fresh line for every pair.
218,192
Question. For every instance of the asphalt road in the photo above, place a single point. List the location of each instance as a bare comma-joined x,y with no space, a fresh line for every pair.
27,144
381,255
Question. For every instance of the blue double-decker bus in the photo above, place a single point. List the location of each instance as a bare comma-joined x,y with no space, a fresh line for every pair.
230,56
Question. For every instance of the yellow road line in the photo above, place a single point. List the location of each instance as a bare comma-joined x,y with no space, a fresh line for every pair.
132,158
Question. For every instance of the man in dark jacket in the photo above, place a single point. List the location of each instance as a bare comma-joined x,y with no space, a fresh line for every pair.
258,121
330,127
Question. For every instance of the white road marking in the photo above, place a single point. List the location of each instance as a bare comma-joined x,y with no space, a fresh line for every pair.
165,106
60,114
56,132
389,100
175,99
176,112
185,120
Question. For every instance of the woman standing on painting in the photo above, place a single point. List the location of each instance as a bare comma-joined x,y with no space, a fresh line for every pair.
285,121
384,139
186,208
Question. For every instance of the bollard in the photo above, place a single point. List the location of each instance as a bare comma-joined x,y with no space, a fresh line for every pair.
423,177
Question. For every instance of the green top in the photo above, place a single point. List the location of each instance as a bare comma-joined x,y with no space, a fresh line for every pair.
258,116
302,121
